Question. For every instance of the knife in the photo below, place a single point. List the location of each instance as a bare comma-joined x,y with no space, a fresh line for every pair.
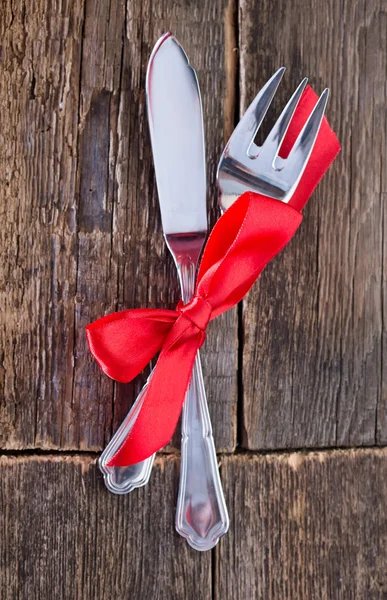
177,136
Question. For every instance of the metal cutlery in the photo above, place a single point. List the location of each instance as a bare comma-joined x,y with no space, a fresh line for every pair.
177,136
201,512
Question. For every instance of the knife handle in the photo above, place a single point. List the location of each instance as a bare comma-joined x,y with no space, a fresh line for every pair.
122,480
201,514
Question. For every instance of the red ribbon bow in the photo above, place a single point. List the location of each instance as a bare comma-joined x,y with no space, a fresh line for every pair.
247,236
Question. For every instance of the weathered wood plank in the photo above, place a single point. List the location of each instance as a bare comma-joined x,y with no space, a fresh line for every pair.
312,361
306,526
39,67
64,536
81,232
382,413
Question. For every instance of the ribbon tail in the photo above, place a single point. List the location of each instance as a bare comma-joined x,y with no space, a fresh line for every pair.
163,402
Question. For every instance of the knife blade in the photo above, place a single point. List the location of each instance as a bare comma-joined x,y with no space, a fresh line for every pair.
176,128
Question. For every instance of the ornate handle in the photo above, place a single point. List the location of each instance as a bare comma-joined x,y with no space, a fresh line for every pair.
201,514
122,480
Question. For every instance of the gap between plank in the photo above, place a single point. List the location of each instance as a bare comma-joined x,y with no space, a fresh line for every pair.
239,452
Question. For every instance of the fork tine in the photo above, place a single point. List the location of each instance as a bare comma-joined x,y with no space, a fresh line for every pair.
273,142
248,126
303,146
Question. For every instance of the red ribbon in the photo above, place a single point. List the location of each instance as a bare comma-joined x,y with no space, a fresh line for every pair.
247,236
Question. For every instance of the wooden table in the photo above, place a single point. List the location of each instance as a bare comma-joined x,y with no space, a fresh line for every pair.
296,376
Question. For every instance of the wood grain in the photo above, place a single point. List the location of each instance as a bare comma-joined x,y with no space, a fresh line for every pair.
65,536
305,526
39,74
81,233
313,326
310,526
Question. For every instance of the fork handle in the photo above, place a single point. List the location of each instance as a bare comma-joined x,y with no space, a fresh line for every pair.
201,514
122,480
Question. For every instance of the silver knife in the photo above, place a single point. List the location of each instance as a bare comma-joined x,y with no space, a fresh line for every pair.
176,127
177,135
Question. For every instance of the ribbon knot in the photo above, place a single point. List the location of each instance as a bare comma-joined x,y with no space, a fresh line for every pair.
198,311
